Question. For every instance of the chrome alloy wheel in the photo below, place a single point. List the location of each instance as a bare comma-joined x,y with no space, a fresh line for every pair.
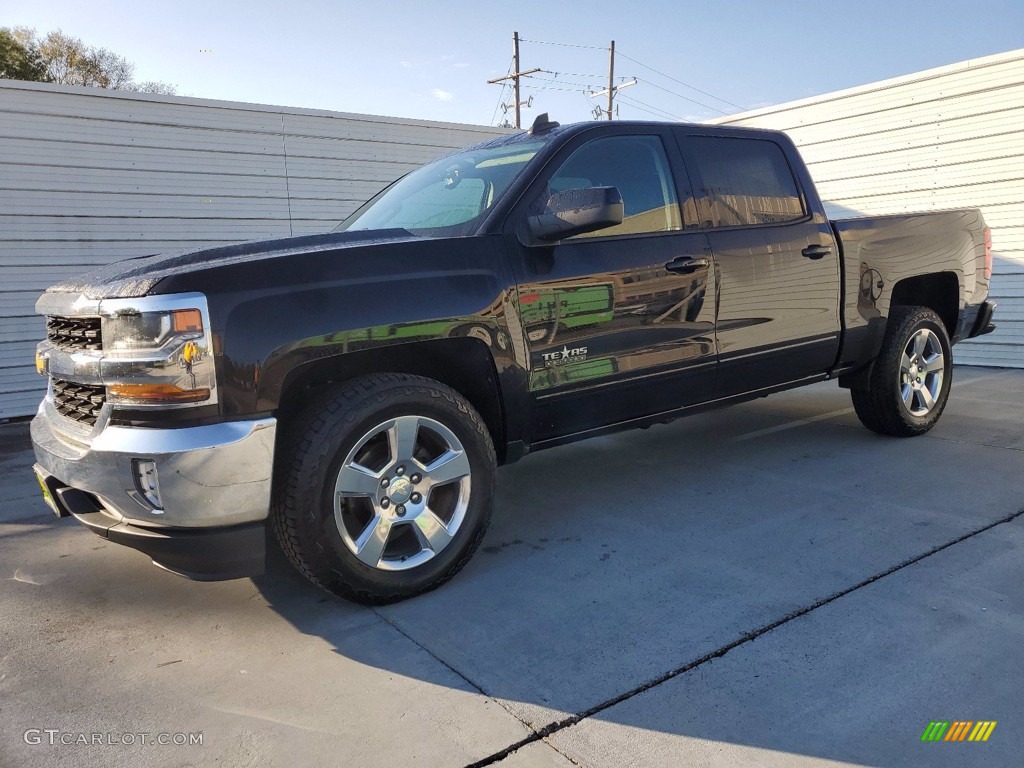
922,369
402,492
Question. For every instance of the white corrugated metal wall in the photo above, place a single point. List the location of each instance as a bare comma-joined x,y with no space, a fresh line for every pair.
89,176
944,138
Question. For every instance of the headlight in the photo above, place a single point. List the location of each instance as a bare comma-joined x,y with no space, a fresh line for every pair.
157,351
151,330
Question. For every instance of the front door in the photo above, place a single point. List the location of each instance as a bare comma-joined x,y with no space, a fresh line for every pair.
619,323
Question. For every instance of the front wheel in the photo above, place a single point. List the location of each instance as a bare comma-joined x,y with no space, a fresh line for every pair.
385,487
910,380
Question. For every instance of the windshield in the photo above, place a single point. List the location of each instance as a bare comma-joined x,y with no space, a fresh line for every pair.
449,197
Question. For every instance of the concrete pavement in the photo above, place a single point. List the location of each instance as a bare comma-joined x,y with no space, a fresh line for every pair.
769,584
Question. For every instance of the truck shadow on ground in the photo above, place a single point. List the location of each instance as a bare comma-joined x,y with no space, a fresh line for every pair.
609,564
615,561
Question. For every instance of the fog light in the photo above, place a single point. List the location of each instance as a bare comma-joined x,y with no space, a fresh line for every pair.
147,483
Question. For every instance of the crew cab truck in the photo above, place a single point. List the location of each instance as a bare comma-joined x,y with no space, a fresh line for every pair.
355,391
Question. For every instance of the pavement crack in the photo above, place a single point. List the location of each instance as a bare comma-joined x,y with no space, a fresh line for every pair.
566,755
469,681
972,442
540,734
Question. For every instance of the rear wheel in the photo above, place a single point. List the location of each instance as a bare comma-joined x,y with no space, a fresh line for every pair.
910,380
385,487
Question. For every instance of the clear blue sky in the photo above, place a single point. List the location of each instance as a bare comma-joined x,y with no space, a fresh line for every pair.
430,59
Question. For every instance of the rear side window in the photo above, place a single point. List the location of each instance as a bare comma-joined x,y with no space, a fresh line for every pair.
747,181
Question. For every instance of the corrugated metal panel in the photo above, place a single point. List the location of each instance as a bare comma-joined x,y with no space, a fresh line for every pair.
90,176
17,304
20,328
205,184
946,138
88,252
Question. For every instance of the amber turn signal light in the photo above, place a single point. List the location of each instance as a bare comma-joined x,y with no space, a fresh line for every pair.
156,393
187,320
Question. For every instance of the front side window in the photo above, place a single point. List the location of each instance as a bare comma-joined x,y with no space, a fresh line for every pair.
638,167
449,197
747,181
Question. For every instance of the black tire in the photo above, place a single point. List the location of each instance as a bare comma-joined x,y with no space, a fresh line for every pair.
311,454
879,405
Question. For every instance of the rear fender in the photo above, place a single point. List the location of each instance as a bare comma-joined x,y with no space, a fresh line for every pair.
943,250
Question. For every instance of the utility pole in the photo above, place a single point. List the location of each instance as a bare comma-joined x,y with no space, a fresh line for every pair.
611,78
515,83
612,88
514,77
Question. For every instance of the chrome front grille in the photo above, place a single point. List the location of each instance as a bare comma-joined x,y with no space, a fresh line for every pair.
74,332
79,402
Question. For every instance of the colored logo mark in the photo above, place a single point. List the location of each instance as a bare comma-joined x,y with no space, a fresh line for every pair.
958,730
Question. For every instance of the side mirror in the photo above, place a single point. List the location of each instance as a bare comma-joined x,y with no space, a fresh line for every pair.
576,211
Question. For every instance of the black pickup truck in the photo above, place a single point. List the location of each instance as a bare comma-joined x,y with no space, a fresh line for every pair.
355,390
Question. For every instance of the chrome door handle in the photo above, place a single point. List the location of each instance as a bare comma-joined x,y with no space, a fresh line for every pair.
816,252
685,265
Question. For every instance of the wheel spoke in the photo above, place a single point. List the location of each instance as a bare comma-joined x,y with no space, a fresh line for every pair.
356,480
935,365
920,342
371,542
402,437
432,531
905,364
449,466
908,396
926,398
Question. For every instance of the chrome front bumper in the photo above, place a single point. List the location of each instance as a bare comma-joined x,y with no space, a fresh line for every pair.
209,476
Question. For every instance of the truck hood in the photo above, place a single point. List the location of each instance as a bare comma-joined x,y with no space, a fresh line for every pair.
137,276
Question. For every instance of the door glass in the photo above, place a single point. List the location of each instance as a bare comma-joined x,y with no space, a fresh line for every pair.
635,165
747,181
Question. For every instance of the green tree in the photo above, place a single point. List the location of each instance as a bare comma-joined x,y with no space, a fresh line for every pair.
62,58
19,56
69,61
154,86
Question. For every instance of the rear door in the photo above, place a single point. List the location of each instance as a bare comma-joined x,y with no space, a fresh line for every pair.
620,322
777,261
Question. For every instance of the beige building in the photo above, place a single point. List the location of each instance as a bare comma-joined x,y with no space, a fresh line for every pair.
944,138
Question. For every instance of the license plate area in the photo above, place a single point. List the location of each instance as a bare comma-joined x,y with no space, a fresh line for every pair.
44,478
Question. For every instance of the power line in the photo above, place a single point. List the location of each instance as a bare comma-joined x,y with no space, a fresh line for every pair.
557,81
563,45
631,105
551,84
501,95
577,74
650,109
677,80
551,88
642,104
687,98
